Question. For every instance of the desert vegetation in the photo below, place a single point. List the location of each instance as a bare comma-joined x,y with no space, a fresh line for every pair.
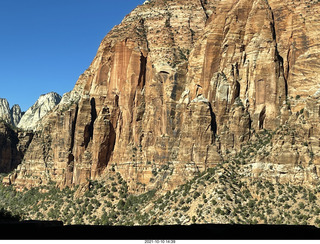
217,195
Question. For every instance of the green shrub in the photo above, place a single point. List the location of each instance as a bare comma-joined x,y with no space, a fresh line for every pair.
251,203
286,206
194,219
189,200
196,195
301,205
218,211
108,204
228,198
111,196
90,207
185,208
89,194
312,197
121,205
154,172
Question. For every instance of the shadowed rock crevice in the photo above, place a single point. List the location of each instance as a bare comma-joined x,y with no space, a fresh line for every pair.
108,147
104,140
88,133
262,117
281,72
13,145
73,128
142,75
214,127
236,90
203,2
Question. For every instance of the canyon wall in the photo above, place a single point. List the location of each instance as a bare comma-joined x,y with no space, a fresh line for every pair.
13,145
180,86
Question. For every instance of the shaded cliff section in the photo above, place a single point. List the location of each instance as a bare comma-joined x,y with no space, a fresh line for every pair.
179,85
17,129
13,145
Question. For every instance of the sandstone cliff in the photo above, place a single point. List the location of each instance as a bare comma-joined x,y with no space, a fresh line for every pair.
42,106
178,87
13,145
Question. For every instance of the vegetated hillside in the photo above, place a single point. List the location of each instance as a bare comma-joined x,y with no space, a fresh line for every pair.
224,194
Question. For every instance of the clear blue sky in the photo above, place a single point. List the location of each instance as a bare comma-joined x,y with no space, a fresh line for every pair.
45,45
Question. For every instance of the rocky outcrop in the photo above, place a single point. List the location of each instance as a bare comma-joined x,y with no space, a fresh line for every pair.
42,106
10,116
16,114
13,145
5,111
178,87
293,156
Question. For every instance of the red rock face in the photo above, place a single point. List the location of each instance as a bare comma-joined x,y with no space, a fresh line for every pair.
175,86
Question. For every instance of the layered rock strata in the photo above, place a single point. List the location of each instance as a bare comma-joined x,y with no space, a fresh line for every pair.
179,85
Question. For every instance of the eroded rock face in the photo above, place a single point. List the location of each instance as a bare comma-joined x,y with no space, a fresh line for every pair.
37,111
13,145
16,114
10,116
176,87
5,111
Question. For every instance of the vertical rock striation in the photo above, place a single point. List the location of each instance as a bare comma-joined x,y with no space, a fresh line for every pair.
177,86
5,111
10,116
13,145
16,115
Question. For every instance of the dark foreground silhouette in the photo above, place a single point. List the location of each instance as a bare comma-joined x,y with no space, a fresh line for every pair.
49,230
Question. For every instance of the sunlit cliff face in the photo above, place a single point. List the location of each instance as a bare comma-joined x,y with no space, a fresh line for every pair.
181,86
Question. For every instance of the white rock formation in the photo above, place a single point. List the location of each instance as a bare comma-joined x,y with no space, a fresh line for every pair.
16,114
43,105
5,110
